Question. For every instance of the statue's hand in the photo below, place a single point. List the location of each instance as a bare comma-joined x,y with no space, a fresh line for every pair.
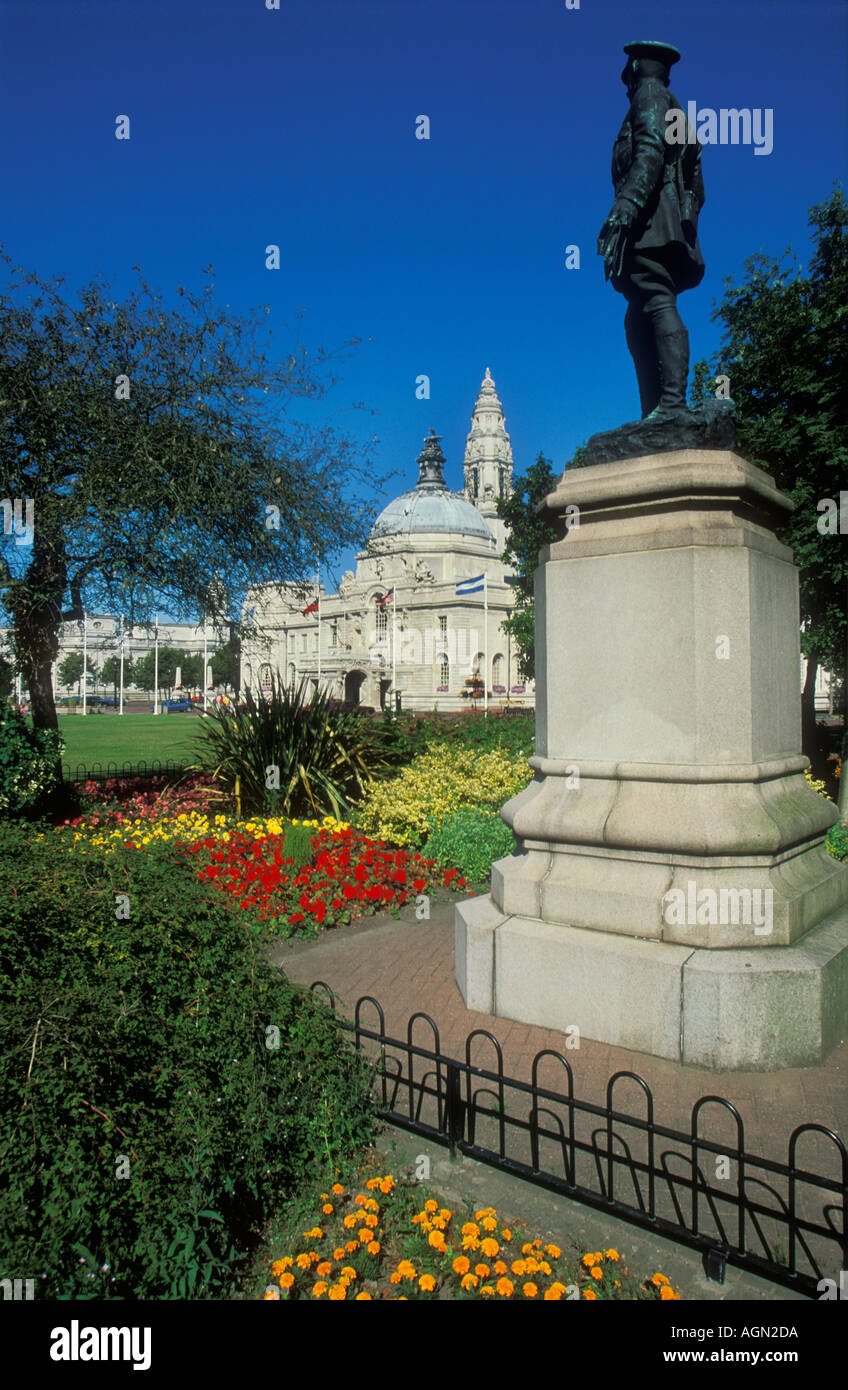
612,236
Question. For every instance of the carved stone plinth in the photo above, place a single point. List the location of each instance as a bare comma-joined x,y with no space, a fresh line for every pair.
669,891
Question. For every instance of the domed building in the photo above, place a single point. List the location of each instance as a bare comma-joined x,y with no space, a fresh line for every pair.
421,617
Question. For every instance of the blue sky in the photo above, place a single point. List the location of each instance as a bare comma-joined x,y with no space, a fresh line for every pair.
252,126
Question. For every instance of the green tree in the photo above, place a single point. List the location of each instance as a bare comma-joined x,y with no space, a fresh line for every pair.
111,672
69,670
226,664
153,439
527,533
785,350
145,669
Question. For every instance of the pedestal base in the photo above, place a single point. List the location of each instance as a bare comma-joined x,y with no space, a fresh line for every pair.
729,1010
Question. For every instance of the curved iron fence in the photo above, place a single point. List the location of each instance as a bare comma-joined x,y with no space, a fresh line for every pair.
781,1221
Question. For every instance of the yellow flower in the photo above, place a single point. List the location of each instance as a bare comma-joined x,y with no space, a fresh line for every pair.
324,1268
327,1209
431,1205
319,1288
303,1262
387,1184
529,1290
482,1271
437,1240
499,1267
469,1281
371,1220
554,1251
286,1280
505,1288
596,1272
427,1283
461,1264
348,1272
406,1269
519,1267
659,1279
554,1293
489,1223
445,1214
351,1220
489,1247
361,1296
395,1278
667,1293
338,1252
470,1229
486,1291
505,1234
280,1266
589,1293
315,1234
373,1247
351,1246
337,1292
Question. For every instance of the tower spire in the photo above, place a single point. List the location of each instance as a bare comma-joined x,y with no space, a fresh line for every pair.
488,464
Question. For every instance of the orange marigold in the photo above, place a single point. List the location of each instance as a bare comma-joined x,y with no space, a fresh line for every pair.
489,1247
328,1209
486,1291
373,1247
406,1269
529,1290
360,1296
611,1254
337,1188
519,1267
336,1293
489,1223
667,1293
482,1271
324,1268
430,1205
319,1288
505,1288
280,1266
469,1281
427,1283
660,1279
554,1251
286,1280
461,1264
499,1267
596,1272
437,1240
589,1293
505,1234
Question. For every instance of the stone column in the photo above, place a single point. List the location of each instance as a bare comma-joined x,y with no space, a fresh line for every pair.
669,891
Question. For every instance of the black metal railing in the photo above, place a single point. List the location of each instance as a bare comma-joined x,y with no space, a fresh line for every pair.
783,1222
95,772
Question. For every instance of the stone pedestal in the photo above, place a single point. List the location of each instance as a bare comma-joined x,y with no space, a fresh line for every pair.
670,891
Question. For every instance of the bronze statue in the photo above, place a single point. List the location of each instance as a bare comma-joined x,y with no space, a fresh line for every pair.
649,242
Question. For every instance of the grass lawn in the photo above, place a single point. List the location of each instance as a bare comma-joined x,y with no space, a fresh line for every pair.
116,738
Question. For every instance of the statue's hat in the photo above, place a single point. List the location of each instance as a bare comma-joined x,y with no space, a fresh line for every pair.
649,48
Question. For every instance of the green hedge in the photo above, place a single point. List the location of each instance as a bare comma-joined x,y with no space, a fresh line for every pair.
470,840
140,1047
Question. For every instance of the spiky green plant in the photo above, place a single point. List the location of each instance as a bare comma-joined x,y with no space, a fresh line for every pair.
295,754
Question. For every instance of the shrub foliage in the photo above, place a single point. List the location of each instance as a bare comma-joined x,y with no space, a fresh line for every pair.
149,1120
325,756
470,840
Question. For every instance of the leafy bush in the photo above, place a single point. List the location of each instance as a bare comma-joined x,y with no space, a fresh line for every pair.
325,756
30,760
148,1122
836,841
470,840
436,784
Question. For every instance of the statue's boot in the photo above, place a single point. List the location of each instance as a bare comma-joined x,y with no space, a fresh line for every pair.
639,332
672,348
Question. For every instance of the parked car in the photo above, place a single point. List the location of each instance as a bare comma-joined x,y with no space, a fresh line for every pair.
105,701
175,707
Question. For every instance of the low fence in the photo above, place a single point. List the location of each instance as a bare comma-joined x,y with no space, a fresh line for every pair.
779,1220
96,772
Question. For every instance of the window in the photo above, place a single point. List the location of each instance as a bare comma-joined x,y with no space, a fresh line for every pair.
382,623
444,673
443,627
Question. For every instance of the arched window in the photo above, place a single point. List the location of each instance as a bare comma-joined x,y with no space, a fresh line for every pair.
382,623
444,673
248,674
292,675
497,672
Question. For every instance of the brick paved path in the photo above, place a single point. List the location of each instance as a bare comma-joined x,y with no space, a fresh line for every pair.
409,966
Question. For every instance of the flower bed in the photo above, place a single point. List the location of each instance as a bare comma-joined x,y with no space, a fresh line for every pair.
386,1241
350,876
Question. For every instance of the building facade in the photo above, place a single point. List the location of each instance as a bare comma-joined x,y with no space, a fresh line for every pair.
421,617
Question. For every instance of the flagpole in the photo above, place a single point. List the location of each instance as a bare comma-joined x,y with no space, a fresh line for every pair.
121,705
486,645
156,668
318,587
84,662
394,645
